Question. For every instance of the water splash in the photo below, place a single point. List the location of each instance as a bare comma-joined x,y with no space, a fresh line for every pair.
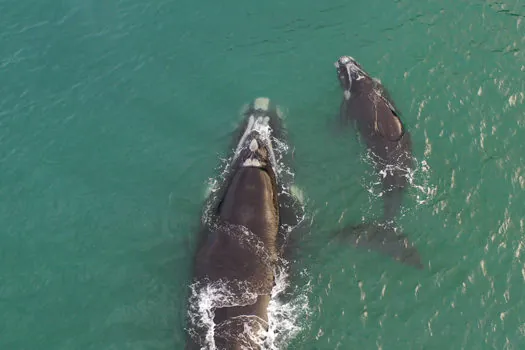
284,317
418,179
207,296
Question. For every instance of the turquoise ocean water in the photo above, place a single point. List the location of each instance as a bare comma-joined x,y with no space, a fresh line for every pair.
115,114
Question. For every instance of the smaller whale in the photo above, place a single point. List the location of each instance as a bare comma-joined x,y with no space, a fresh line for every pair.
367,105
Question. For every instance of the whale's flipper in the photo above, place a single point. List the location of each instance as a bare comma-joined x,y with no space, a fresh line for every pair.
382,238
291,212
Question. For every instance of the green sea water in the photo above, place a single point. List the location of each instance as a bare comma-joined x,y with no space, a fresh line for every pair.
115,114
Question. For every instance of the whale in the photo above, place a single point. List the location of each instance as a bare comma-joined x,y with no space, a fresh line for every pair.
369,108
243,232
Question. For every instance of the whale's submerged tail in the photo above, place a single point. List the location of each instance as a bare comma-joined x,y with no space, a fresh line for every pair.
383,238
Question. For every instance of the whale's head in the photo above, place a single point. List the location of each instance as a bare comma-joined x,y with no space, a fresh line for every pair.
350,74
255,146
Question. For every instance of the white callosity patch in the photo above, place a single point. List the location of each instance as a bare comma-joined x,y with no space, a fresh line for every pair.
352,67
253,145
345,59
252,162
261,126
353,72
262,103
249,127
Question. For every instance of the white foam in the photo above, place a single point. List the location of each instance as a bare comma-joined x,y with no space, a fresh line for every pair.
205,299
418,178
210,187
285,318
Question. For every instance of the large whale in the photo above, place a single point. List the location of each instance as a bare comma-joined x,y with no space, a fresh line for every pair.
244,229
367,105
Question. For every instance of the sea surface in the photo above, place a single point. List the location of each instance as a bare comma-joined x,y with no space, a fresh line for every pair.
115,115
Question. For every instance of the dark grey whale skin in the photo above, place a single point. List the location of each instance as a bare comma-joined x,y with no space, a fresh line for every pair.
250,199
368,107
